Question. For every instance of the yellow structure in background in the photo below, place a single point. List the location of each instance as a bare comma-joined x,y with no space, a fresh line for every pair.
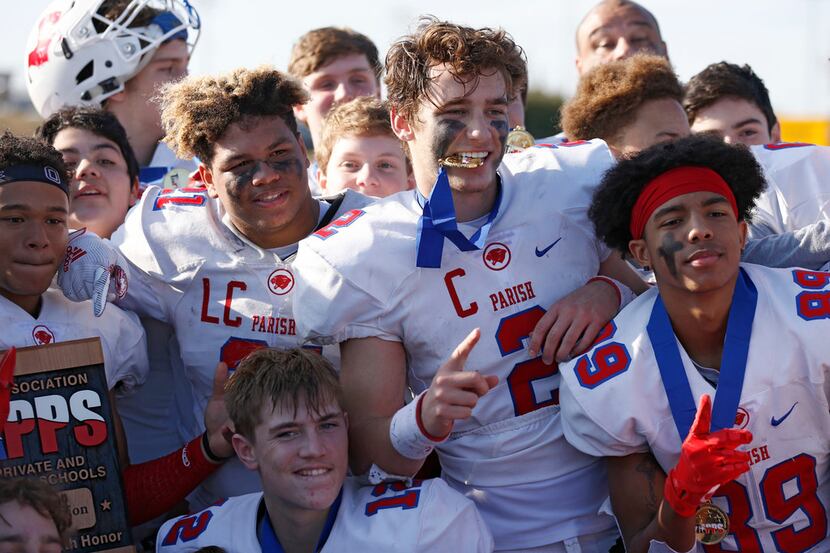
813,131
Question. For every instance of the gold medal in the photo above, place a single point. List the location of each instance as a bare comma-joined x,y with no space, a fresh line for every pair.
519,139
711,524
177,177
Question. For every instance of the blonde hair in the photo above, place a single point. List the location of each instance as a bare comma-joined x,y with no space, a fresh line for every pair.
362,116
196,111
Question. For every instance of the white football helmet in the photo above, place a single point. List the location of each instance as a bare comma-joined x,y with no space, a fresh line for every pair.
76,56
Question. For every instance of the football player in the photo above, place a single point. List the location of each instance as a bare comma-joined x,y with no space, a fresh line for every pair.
33,246
478,254
359,151
630,103
335,65
291,429
745,467
115,54
732,102
215,263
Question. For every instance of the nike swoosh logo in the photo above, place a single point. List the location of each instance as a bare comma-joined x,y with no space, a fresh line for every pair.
775,422
540,253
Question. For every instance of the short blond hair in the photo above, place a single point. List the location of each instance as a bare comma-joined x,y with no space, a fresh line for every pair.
362,116
279,378
196,111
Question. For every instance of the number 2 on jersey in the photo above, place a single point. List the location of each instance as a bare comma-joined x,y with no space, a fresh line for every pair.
510,334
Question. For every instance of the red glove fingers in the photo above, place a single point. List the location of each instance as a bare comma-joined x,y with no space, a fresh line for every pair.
707,460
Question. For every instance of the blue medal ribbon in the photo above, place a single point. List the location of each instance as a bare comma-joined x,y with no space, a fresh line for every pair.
3,455
733,363
152,174
269,543
439,222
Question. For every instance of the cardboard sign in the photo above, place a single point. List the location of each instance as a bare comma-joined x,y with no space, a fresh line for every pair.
61,429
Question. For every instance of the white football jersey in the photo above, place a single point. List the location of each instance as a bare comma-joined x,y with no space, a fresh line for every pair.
359,279
614,404
427,517
148,413
61,320
223,295
798,186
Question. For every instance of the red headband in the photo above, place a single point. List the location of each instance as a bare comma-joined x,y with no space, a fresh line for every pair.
673,183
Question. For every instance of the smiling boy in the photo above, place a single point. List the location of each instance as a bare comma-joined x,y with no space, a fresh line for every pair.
359,151
748,467
292,430
409,306
215,263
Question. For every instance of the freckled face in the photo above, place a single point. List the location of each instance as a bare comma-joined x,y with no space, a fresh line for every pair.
301,457
371,165
259,173
466,120
693,242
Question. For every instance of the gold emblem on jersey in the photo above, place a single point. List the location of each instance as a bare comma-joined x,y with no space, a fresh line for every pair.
711,524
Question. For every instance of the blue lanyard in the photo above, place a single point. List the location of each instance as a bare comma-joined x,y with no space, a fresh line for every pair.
438,222
152,174
733,363
269,543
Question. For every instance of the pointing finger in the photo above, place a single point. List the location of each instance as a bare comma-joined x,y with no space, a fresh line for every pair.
458,358
703,419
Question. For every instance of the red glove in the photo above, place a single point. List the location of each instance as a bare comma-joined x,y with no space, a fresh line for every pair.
707,460
6,379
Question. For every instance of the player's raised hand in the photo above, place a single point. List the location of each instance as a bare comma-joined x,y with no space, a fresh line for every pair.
92,270
454,391
571,324
218,425
707,460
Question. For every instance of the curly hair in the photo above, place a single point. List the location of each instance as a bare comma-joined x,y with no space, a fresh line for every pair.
279,378
724,79
95,120
20,150
620,187
467,52
319,47
196,111
608,96
363,116
41,497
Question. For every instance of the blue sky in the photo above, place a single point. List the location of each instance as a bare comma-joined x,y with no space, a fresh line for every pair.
786,42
